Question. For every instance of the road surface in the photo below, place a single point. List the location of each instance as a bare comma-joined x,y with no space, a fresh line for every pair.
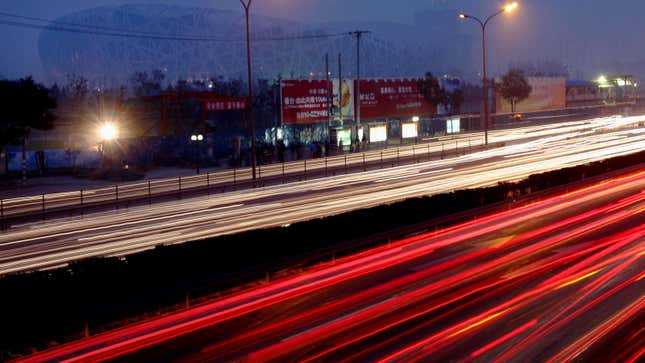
553,281
56,242
438,147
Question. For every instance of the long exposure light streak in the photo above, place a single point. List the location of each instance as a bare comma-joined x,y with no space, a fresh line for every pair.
553,279
530,150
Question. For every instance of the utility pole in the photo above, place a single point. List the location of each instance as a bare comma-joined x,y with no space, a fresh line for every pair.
357,111
485,86
340,89
330,94
24,163
247,4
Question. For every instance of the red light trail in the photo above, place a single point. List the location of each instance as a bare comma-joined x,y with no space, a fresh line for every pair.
549,280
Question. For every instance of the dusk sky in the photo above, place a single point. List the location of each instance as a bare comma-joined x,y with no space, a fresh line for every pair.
587,34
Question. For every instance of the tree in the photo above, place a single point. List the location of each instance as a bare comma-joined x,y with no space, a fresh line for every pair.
452,100
77,88
435,95
24,105
146,85
431,90
514,87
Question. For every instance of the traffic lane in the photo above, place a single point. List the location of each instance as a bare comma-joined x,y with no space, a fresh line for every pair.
304,341
561,322
242,325
263,295
303,211
161,186
171,231
33,202
628,343
176,231
290,312
360,178
310,193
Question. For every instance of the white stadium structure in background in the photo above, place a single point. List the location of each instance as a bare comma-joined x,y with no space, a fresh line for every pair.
391,50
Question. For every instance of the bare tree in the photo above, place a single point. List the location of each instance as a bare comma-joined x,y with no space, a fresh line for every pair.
514,87
77,87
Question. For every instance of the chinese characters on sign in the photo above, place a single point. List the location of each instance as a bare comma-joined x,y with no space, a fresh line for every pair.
225,104
305,101
395,98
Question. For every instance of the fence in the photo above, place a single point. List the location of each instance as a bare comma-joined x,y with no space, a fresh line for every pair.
281,172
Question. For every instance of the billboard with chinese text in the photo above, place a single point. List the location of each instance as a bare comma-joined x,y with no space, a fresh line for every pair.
304,101
393,98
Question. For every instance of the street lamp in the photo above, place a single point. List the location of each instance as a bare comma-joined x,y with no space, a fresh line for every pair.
197,139
107,132
506,9
247,4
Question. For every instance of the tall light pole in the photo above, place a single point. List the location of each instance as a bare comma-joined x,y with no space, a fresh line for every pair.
247,4
107,132
197,139
357,111
506,9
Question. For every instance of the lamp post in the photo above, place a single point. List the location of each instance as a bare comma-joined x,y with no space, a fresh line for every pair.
107,132
506,9
197,139
247,4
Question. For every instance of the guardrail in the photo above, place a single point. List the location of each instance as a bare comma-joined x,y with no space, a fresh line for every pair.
240,177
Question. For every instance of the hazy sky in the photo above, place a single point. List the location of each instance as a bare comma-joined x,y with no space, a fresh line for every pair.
582,33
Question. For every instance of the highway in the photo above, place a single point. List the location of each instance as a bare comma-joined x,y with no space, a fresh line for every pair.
56,242
434,149
558,280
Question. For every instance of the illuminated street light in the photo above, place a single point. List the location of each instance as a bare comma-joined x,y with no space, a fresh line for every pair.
510,7
506,9
197,139
108,132
602,79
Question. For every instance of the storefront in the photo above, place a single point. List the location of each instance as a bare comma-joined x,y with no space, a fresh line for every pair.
453,126
377,132
409,130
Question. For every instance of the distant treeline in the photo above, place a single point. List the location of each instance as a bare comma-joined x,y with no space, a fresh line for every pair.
42,308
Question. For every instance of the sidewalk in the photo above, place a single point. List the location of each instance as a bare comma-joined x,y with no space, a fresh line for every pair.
54,184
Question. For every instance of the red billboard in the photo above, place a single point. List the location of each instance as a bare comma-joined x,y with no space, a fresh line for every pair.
396,98
304,102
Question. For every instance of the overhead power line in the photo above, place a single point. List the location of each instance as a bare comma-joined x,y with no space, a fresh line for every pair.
123,33
49,22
